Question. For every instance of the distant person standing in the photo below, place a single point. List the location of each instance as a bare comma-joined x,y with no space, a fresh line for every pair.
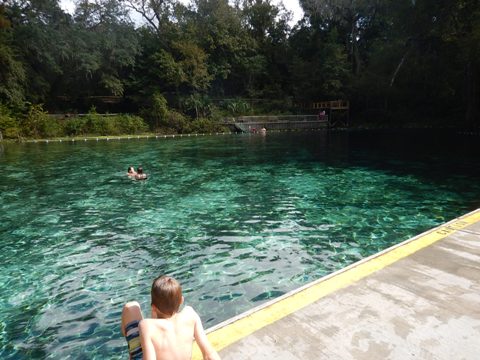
321,115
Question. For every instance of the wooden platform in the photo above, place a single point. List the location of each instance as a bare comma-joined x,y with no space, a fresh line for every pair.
417,300
249,124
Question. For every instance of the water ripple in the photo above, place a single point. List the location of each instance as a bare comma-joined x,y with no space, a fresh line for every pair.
236,220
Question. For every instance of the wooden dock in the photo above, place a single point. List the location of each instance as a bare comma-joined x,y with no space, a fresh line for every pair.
252,124
330,114
417,300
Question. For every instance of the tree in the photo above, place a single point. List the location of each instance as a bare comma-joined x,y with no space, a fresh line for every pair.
12,72
156,13
106,27
37,29
267,24
216,27
352,18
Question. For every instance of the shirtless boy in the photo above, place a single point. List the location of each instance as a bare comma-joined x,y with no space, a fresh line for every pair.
169,334
140,174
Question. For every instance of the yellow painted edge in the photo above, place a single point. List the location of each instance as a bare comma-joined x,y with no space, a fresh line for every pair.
248,324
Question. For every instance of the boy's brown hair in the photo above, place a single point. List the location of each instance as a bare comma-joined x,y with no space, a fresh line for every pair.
166,295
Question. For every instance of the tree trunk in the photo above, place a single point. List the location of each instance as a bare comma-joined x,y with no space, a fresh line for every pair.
356,58
143,12
400,64
354,47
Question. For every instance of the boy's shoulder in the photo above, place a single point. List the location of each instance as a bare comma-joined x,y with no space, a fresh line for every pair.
152,324
188,309
189,312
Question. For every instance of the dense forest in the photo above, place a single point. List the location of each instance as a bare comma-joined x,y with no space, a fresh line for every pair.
184,67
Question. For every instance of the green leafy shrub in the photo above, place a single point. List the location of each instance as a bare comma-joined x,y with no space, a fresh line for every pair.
130,124
94,123
177,122
51,128
75,126
198,105
238,107
204,125
109,126
38,123
9,127
156,111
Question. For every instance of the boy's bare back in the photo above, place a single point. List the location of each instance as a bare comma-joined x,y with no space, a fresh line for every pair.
172,338
169,334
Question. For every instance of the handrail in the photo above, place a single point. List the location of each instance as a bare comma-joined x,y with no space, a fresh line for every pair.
334,104
278,118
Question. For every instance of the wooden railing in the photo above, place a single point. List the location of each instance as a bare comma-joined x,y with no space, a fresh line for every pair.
253,124
334,105
276,118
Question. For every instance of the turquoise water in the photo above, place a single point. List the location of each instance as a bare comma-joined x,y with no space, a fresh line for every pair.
238,219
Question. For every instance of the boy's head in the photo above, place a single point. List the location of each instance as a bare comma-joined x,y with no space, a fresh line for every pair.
140,170
166,296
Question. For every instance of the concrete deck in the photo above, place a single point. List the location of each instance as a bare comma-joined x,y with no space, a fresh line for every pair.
417,300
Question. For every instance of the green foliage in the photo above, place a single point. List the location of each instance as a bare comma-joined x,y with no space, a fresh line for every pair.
129,124
159,106
75,126
198,105
384,56
95,124
37,123
166,69
12,77
9,127
156,111
237,107
51,128
12,71
175,121
205,125
193,62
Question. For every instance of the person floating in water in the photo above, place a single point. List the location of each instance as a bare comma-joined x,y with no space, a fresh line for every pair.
131,171
169,334
140,175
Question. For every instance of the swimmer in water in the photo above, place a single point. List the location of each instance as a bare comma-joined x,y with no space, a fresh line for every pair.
140,175
131,171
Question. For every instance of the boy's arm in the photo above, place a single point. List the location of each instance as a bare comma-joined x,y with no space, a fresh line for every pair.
206,348
147,345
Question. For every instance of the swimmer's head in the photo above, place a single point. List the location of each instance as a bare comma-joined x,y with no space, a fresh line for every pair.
166,296
130,169
140,170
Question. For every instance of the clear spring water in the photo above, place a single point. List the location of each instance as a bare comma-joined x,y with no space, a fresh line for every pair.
238,219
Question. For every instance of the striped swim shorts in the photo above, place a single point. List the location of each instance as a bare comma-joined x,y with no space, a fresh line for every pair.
133,340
